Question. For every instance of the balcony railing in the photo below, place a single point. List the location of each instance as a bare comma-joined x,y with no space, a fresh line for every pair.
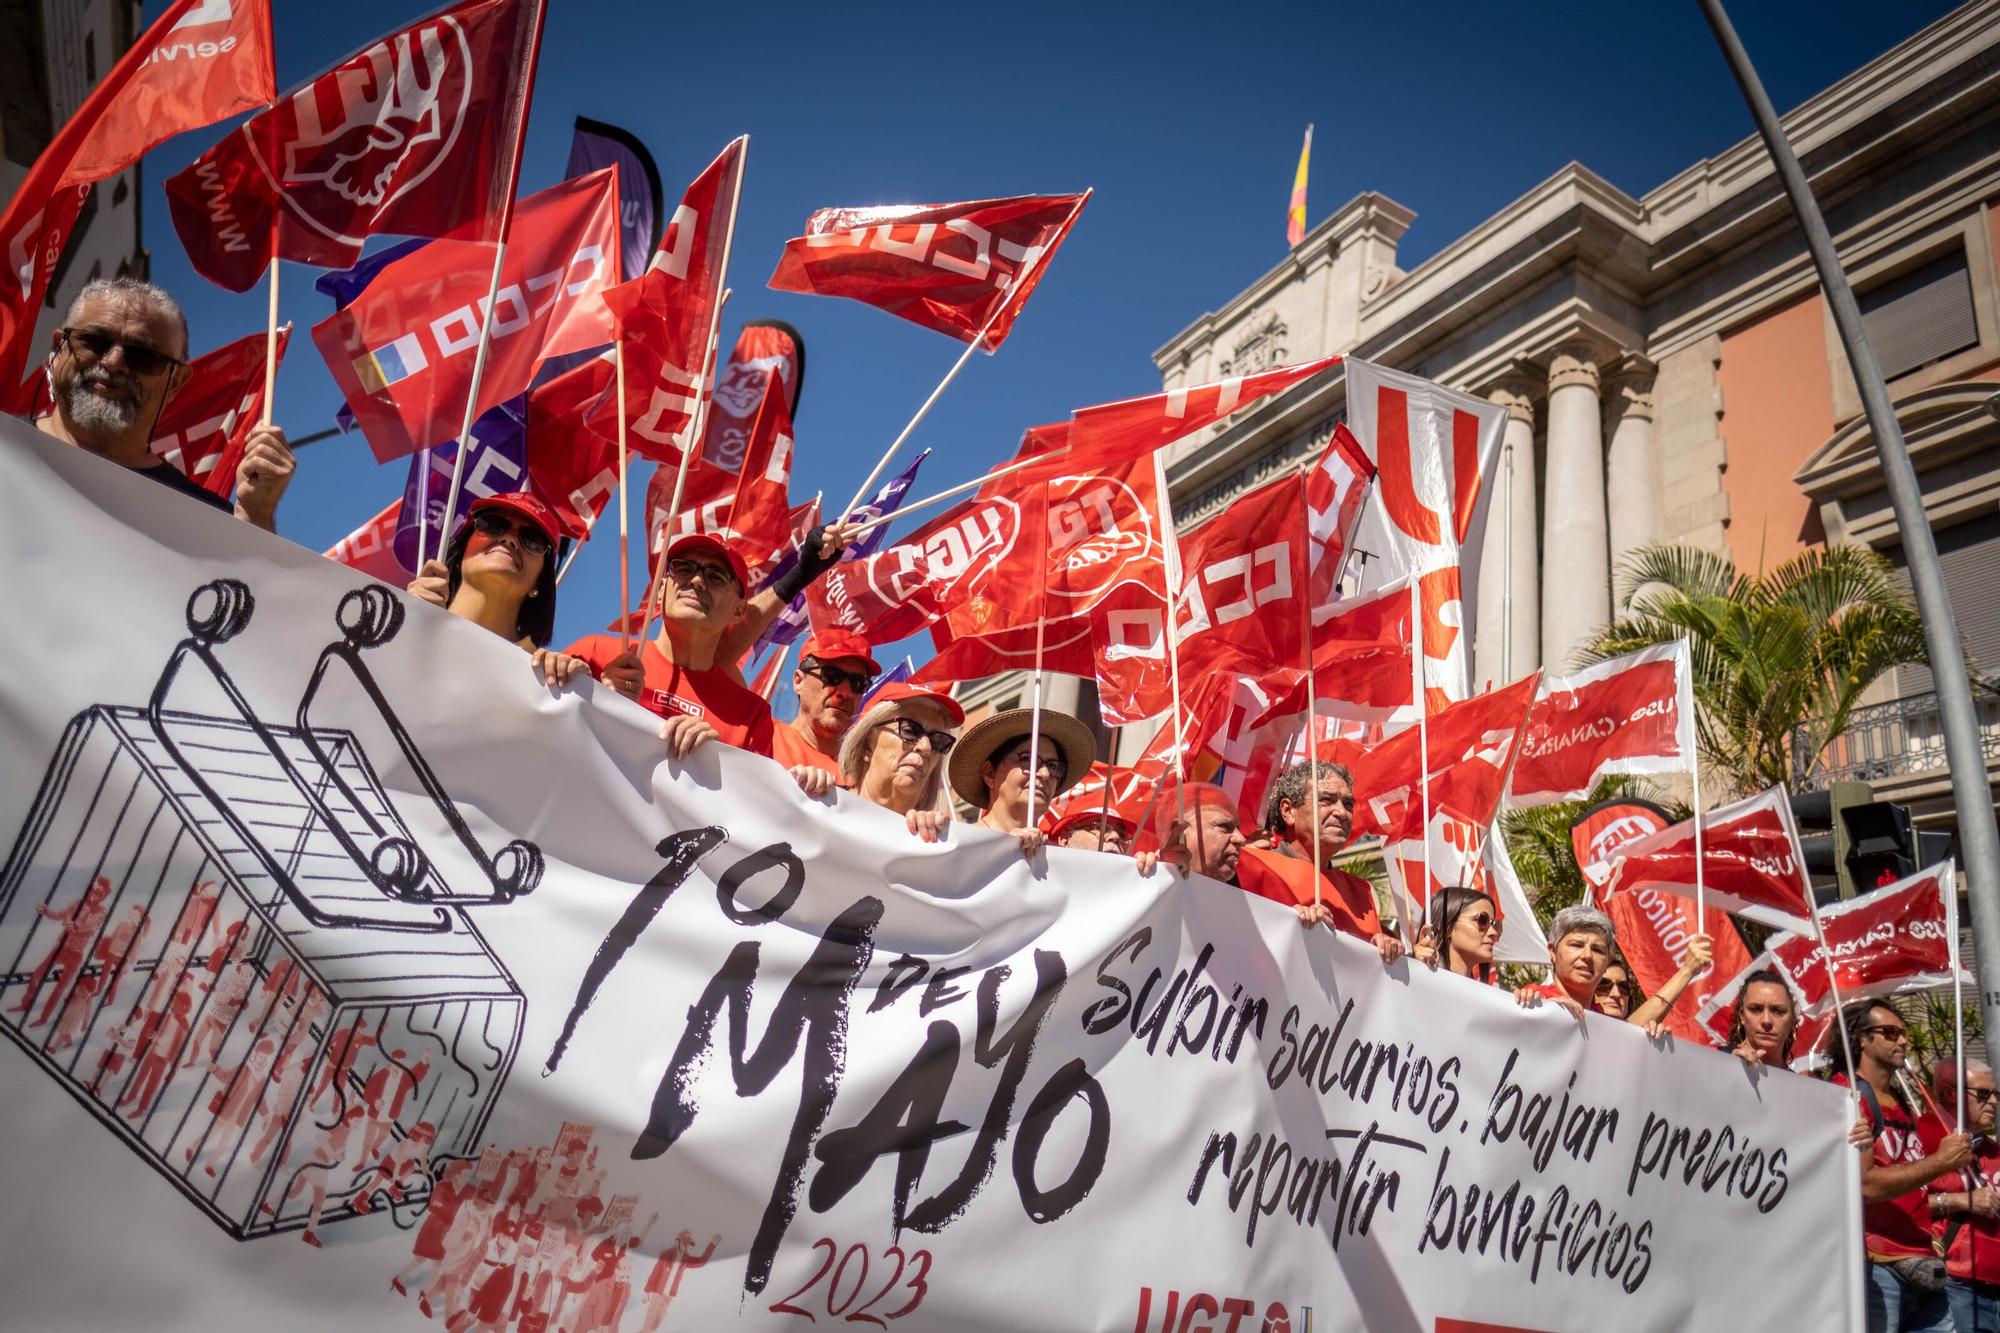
1901,738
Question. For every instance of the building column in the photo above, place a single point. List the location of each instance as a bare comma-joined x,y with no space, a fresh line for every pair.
1508,644
1576,594
1631,469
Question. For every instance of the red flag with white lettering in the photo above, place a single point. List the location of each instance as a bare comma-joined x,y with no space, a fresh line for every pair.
371,548
1112,435
200,62
204,428
572,468
663,315
748,507
1362,670
956,268
402,352
413,135
1470,745
1632,714
1889,942
1750,860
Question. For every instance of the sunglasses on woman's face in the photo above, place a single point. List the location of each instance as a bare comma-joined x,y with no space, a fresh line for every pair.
912,731
1608,985
1481,921
495,526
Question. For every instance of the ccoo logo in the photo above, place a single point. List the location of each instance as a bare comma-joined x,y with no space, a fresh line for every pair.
394,113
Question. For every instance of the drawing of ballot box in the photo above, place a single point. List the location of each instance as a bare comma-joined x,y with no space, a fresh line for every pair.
218,934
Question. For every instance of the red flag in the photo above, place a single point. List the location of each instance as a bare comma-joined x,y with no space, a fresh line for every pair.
1654,928
903,588
955,268
201,61
764,352
1362,670
1889,942
416,134
1127,793
766,683
1750,859
1113,434
403,351
1471,746
747,507
664,314
371,548
1632,714
1066,648
204,428
572,468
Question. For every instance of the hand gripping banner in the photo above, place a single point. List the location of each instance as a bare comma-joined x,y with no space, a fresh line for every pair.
351,978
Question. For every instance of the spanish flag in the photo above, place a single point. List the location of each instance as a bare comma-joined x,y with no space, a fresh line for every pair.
1295,219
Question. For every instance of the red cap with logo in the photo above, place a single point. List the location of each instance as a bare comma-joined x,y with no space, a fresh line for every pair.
834,644
703,541
524,507
897,691
1087,816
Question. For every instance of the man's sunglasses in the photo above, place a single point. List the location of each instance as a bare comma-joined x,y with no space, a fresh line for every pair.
1892,1033
833,677
686,570
532,539
913,731
96,344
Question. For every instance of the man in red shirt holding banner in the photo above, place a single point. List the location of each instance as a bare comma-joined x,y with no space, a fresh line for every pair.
1966,1203
1286,874
835,669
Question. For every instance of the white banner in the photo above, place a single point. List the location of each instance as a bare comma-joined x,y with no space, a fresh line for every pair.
322,920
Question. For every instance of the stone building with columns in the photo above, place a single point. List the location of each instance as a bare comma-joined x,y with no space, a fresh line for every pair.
1672,373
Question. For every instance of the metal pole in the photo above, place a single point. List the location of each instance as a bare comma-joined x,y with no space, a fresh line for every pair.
1978,838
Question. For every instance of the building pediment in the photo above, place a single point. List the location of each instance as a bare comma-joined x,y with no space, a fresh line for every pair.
1940,425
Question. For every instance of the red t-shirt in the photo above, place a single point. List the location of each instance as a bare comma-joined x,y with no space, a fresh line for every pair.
792,750
1975,1250
1289,880
738,713
1899,1227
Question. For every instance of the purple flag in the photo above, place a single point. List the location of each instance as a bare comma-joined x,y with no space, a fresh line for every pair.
640,203
903,670
791,620
497,463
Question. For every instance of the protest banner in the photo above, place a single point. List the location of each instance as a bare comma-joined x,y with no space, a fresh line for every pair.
326,920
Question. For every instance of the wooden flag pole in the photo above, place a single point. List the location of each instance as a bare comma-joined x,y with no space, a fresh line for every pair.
1420,692
576,549
530,64
882,463
1035,719
271,333
624,506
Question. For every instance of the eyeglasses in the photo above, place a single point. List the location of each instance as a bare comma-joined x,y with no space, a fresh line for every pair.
1607,986
686,570
1981,1095
532,539
96,344
911,731
1892,1033
1058,770
1481,921
833,677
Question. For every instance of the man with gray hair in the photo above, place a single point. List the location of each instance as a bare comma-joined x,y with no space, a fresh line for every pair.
1309,794
121,353
1965,1203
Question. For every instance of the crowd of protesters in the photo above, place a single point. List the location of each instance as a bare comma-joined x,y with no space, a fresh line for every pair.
1930,1184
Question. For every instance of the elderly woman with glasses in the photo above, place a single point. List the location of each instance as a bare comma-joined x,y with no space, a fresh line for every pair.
996,772
499,572
894,753
1461,930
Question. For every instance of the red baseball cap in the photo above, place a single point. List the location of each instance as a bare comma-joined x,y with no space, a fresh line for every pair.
703,541
1088,815
833,644
896,691
524,507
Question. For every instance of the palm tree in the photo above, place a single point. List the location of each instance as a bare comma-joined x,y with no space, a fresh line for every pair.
1791,650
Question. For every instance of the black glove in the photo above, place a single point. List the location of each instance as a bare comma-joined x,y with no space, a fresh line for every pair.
807,569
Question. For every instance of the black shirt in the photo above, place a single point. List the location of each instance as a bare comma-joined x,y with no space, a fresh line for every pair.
174,479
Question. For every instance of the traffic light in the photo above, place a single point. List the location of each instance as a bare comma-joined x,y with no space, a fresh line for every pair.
1824,836
1881,845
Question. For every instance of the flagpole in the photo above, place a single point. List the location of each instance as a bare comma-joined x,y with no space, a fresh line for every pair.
271,333
532,62
1832,985
624,507
568,560
1035,720
1420,691
697,425
871,524
1312,686
868,486
1948,884
1507,566
1700,867
1170,549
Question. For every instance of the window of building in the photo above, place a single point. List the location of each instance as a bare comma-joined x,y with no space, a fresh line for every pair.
1921,316
1969,557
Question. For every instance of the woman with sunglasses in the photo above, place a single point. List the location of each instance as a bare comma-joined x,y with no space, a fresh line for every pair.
499,572
1461,930
894,753
994,769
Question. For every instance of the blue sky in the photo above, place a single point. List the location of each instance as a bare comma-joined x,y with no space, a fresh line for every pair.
1186,120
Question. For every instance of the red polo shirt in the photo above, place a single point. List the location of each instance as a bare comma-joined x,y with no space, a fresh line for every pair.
740,715
1975,1250
1899,1227
1289,880
792,750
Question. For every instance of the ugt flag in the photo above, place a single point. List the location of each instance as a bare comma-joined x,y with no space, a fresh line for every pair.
963,269
413,135
201,61
402,351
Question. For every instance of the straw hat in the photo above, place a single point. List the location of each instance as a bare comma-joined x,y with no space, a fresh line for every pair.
1072,739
